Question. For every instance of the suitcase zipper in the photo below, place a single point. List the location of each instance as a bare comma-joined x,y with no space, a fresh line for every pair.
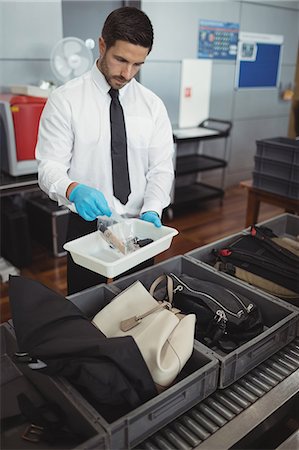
180,288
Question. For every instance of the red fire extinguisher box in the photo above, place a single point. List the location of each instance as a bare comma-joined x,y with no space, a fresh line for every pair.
20,115
26,112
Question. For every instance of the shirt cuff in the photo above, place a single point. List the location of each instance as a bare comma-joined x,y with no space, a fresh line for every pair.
152,206
59,190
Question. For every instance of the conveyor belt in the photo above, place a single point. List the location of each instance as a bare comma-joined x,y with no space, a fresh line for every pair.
225,417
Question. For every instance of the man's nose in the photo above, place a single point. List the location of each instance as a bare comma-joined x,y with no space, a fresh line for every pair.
127,72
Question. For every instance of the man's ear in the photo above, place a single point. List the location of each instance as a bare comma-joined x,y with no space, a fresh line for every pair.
102,46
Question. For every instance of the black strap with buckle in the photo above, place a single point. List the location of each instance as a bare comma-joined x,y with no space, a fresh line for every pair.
33,433
48,422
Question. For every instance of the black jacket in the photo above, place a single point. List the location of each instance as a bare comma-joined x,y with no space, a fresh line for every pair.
110,372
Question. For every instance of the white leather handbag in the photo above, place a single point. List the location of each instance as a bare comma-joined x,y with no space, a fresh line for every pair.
164,336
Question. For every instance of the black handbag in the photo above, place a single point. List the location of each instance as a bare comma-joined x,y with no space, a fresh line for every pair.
224,319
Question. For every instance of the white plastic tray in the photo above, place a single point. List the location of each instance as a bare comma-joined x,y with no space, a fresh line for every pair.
93,252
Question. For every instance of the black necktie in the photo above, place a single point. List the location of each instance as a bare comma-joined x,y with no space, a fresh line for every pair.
120,170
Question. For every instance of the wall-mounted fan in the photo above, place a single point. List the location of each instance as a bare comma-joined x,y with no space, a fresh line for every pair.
70,58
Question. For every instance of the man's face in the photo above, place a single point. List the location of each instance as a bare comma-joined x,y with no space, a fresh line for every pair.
121,62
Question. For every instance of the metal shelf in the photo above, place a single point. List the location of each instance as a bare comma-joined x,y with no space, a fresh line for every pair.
197,163
196,192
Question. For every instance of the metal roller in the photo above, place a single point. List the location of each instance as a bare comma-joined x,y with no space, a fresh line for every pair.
220,408
186,434
212,414
294,346
293,351
257,381
244,393
176,440
291,357
148,445
285,362
162,443
263,376
204,421
195,427
253,388
234,407
280,368
272,371
237,398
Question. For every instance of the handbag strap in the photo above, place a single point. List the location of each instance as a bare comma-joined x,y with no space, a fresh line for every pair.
131,322
169,286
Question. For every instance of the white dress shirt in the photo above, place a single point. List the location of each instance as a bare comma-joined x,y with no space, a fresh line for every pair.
74,143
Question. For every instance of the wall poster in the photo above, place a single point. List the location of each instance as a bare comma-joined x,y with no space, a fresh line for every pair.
218,40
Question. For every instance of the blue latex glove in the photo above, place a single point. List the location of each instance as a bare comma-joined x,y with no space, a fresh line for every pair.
90,203
151,216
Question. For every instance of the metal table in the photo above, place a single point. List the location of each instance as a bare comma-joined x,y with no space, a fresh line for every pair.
10,185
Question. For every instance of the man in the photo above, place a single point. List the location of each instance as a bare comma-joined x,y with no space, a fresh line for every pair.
74,153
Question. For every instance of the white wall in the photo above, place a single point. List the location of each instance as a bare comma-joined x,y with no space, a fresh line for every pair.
29,30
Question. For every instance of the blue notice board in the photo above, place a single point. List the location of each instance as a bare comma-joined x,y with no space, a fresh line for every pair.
258,63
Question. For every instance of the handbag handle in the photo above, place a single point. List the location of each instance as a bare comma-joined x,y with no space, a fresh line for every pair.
131,322
169,286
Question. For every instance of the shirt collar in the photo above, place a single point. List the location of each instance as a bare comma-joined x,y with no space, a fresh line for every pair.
101,81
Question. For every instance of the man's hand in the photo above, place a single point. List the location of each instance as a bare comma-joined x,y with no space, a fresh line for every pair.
90,203
153,217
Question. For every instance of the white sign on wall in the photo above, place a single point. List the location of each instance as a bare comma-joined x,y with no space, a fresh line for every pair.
195,92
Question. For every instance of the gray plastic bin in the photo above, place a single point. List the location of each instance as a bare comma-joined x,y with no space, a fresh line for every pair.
277,166
204,253
284,225
197,381
40,390
268,166
275,185
281,320
279,149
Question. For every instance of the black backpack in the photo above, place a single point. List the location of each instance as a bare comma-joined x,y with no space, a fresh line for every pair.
224,318
257,253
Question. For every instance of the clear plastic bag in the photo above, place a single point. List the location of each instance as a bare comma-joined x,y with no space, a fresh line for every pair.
118,233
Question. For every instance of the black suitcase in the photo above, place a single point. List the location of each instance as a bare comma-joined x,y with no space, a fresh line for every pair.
15,236
48,222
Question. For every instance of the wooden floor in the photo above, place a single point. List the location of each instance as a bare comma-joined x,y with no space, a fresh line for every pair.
196,228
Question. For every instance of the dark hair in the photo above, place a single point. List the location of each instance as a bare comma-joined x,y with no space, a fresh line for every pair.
128,24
